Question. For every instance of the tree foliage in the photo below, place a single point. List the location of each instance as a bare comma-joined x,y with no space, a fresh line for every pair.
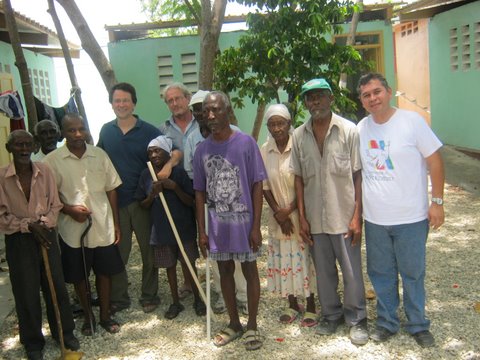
285,45
166,10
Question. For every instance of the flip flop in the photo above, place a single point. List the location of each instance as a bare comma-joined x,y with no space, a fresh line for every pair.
87,330
288,316
110,326
253,340
226,336
309,319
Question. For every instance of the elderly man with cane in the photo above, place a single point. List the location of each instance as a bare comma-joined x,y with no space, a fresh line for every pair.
29,207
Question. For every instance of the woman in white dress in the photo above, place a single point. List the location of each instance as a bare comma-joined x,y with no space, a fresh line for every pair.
290,270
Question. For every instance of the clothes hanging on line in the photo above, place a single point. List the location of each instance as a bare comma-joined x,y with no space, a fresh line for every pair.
55,114
11,105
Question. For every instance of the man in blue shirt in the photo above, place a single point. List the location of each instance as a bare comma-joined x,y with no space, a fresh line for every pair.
125,140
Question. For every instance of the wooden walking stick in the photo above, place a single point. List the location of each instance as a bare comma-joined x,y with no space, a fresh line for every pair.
177,237
66,354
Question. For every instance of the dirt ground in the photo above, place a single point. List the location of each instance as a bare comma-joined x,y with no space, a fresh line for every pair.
452,283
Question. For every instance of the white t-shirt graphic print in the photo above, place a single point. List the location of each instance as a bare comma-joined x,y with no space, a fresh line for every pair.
394,168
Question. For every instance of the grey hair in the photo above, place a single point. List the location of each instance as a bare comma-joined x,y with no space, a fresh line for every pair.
179,86
16,133
222,95
35,129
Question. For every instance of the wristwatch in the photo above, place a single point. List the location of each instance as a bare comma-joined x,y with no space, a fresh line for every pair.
438,201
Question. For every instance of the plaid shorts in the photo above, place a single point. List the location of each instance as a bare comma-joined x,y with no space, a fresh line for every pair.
242,257
166,256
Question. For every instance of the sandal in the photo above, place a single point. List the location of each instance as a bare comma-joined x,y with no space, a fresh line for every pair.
253,340
174,310
288,316
149,306
87,329
309,319
226,336
200,308
110,326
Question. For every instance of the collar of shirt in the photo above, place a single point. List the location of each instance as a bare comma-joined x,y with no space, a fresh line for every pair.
171,122
11,171
65,153
272,145
334,122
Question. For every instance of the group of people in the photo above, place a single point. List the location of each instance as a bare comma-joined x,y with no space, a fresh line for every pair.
319,180
328,175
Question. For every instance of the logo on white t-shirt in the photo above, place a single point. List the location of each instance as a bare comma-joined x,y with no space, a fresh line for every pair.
378,155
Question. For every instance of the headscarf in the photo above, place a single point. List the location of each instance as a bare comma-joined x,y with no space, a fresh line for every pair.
162,142
279,110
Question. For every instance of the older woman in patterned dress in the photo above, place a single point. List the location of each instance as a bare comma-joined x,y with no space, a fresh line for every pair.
290,269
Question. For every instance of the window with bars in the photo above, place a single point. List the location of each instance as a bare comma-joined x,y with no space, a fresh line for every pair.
466,58
476,40
165,71
189,71
409,28
41,85
453,49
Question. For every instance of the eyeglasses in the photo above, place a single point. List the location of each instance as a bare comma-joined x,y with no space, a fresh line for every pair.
176,99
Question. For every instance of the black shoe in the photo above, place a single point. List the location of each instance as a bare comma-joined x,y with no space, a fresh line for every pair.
359,333
71,342
381,334
35,355
174,310
200,308
424,339
328,327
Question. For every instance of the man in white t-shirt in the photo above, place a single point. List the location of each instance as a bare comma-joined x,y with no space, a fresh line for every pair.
397,147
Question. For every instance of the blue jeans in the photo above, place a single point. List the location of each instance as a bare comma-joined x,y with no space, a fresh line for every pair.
393,250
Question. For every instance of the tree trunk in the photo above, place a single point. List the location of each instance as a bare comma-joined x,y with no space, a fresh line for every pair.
21,64
89,43
68,60
209,31
257,125
351,40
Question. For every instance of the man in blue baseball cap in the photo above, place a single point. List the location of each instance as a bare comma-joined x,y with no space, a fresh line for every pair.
326,163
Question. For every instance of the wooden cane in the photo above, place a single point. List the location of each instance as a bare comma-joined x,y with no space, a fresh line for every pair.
65,355
177,237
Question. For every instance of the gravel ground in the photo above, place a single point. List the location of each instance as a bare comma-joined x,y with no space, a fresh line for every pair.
453,288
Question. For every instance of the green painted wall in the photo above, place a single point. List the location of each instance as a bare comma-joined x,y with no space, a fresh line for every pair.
135,61
144,74
34,61
455,94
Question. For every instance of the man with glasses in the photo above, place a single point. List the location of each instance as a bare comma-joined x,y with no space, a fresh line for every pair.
125,140
326,163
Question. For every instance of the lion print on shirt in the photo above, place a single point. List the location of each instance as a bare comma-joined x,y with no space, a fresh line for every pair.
224,189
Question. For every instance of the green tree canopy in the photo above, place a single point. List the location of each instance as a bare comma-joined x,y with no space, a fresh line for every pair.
286,44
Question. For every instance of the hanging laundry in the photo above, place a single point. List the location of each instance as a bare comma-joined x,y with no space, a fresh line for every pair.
10,104
55,114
